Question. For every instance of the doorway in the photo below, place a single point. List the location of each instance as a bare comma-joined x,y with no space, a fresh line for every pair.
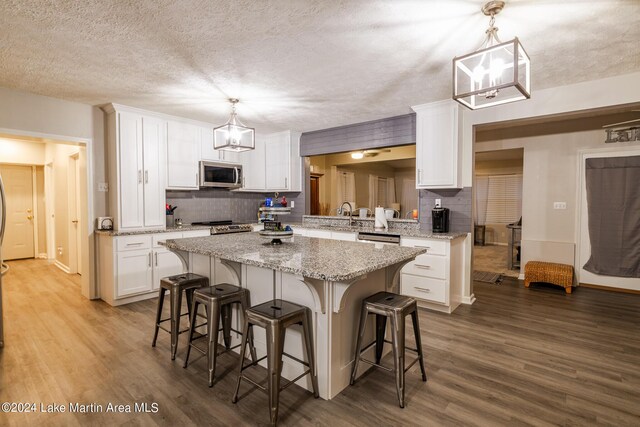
74,214
55,203
19,236
498,212
314,191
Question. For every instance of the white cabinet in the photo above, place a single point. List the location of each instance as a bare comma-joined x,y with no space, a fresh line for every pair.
438,145
208,153
277,160
134,272
253,167
275,164
130,267
435,278
183,155
343,235
136,145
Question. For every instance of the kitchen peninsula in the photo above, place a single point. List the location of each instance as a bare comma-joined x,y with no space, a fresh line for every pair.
330,277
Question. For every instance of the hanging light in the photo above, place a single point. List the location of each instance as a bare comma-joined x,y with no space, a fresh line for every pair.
234,136
496,73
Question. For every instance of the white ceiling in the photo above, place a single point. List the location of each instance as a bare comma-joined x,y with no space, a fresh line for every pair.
295,64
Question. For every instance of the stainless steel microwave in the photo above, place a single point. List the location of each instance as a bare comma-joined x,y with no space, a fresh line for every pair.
221,175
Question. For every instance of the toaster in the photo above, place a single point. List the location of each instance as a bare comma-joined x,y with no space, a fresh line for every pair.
105,223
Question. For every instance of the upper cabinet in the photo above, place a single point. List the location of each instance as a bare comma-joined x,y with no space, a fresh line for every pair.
275,164
209,154
137,169
183,155
438,145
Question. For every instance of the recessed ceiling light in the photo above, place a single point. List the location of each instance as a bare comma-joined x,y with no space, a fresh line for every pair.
357,155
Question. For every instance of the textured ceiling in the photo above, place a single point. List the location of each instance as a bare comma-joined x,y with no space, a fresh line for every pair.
294,64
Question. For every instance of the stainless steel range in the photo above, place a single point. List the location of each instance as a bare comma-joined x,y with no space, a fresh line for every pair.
225,227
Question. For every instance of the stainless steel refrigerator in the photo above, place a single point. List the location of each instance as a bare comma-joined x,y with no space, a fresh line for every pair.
3,266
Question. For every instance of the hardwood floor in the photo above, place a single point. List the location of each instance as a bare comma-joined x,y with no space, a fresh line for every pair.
516,357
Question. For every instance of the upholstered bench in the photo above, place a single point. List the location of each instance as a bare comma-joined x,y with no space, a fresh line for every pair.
549,272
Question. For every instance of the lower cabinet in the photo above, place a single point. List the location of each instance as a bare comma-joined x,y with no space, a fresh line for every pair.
130,267
435,278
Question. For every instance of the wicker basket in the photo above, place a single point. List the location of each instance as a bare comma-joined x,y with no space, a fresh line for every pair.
549,272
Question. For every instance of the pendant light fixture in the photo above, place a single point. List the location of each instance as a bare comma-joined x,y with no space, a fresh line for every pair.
234,136
496,73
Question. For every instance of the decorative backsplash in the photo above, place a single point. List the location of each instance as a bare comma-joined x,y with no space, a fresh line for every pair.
220,204
459,203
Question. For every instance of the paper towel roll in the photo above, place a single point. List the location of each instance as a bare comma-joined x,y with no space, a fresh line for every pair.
381,220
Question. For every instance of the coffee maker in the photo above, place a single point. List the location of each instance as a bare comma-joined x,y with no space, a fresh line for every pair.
440,218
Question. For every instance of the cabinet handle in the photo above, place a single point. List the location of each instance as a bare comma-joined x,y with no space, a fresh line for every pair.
426,267
149,259
135,244
423,247
426,290
139,176
146,177
156,258
419,176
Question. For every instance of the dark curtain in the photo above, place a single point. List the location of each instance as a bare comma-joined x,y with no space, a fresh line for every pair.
613,204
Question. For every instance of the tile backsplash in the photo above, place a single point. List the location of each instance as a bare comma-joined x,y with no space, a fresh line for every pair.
220,204
459,203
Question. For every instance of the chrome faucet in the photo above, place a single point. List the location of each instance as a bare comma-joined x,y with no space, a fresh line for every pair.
351,221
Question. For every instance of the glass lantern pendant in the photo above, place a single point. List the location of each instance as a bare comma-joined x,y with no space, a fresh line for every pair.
234,136
496,73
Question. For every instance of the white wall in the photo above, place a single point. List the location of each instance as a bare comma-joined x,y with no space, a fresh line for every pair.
38,116
21,152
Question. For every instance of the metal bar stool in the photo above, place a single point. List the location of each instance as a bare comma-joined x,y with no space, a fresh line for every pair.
176,285
396,307
218,300
276,316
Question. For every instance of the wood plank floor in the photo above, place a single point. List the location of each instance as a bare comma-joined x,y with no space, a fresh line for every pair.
515,357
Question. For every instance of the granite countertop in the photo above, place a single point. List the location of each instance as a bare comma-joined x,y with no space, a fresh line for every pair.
185,227
401,232
323,259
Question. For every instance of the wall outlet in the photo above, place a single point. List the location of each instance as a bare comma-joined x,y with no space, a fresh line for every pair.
103,187
438,203
559,205
293,204
60,250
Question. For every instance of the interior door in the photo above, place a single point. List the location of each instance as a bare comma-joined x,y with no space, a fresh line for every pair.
18,238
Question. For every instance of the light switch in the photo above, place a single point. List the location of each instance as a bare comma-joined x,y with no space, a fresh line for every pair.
103,187
559,205
293,204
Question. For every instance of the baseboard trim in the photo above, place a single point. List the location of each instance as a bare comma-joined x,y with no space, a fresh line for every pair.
468,300
610,288
42,256
62,267
521,276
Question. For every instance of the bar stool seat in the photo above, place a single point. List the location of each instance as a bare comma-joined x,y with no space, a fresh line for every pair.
276,316
176,285
395,307
218,301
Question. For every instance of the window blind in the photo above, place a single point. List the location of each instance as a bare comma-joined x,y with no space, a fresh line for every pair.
382,192
504,199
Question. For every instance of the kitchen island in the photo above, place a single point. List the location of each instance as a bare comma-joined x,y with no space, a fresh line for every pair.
330,277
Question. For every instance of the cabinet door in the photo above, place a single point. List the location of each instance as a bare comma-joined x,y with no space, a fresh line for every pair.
165,263
253,163
437,145
229,156
130,166
183,154
277,156
153,142
207,151
134,272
